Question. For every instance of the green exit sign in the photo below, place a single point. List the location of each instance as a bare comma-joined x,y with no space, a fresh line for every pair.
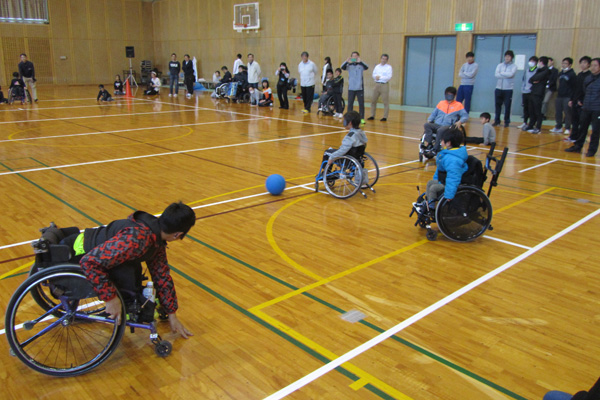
463,27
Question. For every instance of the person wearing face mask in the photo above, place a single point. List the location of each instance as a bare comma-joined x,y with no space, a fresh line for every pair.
526,91
538,89
566,85
447,113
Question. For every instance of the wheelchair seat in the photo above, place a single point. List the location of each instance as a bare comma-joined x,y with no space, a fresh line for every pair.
349,174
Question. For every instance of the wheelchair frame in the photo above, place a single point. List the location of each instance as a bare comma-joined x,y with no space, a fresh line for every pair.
26,98
343,173
440,212
426,153
330,106
57,302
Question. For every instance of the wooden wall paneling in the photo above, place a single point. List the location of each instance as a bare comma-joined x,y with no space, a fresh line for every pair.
464,44
393,16
59,20
466,11
191,20
332,17
523,15
370,54
225,27
555,43
40,52
11,30
266,19
63,71
115,19
295,18
147,22
78,13
118,61
590,14
351,23
393,45
441,19
312,44
350,43
330,46
12,47
313,18
35,30
416,17
558,14
492,16
203,19
133,24
587,44
97,18
279,54
99,50
280,16
371,17
295,47
81,61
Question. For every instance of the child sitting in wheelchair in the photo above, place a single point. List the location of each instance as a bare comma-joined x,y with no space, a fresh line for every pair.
447,113
333,92
17,89
353,143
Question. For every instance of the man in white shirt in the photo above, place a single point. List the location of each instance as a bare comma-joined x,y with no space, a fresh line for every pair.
254,71
382,74
238,61
307,70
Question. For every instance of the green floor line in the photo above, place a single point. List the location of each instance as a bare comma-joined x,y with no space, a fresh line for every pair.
339,310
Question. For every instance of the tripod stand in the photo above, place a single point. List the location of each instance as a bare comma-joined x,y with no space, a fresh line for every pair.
130,77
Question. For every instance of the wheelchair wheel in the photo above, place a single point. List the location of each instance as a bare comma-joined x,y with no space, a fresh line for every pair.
69,339
466,217
369,163
343,177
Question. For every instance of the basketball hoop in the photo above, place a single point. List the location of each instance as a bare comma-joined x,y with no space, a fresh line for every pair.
240,27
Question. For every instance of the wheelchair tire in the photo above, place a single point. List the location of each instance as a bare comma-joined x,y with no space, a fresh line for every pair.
369,163
73,339
342,179
466,217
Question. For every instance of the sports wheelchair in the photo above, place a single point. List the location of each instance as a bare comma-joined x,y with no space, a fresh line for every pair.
329,107
469,214
56,324
348,174
18,93
427,152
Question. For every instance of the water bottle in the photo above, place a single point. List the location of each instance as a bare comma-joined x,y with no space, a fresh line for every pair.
148,291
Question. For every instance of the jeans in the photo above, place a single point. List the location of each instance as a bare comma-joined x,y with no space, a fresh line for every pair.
360,95
557,395
503,97
562,105
465,92
174,81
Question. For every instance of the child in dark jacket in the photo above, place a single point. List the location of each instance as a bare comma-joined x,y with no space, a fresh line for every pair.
118,85
2,98
103,94
451,165
17,87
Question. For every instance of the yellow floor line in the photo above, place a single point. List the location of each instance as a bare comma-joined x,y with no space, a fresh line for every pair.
516,203
14,271
364,377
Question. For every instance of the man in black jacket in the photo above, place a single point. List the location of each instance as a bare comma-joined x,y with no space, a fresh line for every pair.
188,75
550,86
538,89
577,99
27,73
566,86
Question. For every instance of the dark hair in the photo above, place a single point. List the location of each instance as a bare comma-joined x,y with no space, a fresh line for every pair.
119,76
15,74
224,68
177,217
243,67
353,118
250,54
23,54
239,55
510,53
586,58
357,53
550,59
329,71
338,70
485,115
450,89
533,58
470,54
454,136
173,54
101,86
218,72
328,60
597,59
186,55
385,55
285,66
569,60
543,60
304,53
263,81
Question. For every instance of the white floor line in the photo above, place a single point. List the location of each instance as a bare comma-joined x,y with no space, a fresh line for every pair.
94,116
537,166
420,315
164,154
507,242
7,246
112,104
129,130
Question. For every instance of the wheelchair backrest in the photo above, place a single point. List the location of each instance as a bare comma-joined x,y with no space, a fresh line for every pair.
47,254
357,152
475,176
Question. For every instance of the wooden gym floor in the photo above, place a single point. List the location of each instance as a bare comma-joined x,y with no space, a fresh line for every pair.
263,281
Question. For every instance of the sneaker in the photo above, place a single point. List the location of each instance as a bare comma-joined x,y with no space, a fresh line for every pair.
305,111
170,95
175,95
567,132
370,118
383,119
522,126
589,154
534,130
527,128
496,123
506,124
337,115
362,121
556,130
189,96
568,140
573,149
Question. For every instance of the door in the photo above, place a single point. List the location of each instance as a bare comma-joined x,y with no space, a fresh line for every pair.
429,69
489,52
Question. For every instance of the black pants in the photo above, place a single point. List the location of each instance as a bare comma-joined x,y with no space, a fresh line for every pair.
589,117
308,95
282,91
575,118
535,109
526,97
337,99
503,97
189,83
360,95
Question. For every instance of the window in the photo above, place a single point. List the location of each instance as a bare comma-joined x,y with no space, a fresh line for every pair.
24,11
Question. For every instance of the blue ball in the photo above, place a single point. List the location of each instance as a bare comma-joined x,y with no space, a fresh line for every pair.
275,184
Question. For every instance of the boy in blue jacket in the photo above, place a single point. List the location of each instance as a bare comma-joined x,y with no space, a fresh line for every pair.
451,165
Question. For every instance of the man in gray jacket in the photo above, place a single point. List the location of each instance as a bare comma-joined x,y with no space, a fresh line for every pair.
467,74
505,73
356,87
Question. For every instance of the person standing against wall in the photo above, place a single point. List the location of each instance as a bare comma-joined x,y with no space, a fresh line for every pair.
283,74
308,71
382,73
538,82
577,99
327,66
356,87
566,87
550,86
174,70
467,74
254,71
188,75
236,64
505,73
27,73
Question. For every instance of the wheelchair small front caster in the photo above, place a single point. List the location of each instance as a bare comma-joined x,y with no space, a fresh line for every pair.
163,348
490,228
431,235
12,352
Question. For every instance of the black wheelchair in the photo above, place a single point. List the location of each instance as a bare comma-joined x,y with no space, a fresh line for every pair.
18,93
469,214
427,151
56,324
329,107
348,174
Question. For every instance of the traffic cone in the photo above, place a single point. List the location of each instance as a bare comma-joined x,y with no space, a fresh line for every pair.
127,89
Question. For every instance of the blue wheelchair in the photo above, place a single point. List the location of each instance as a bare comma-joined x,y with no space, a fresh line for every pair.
348,174
56,324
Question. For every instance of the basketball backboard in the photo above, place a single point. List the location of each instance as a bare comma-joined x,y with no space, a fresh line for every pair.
246,17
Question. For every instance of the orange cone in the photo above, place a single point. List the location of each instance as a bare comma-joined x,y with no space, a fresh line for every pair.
127,89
